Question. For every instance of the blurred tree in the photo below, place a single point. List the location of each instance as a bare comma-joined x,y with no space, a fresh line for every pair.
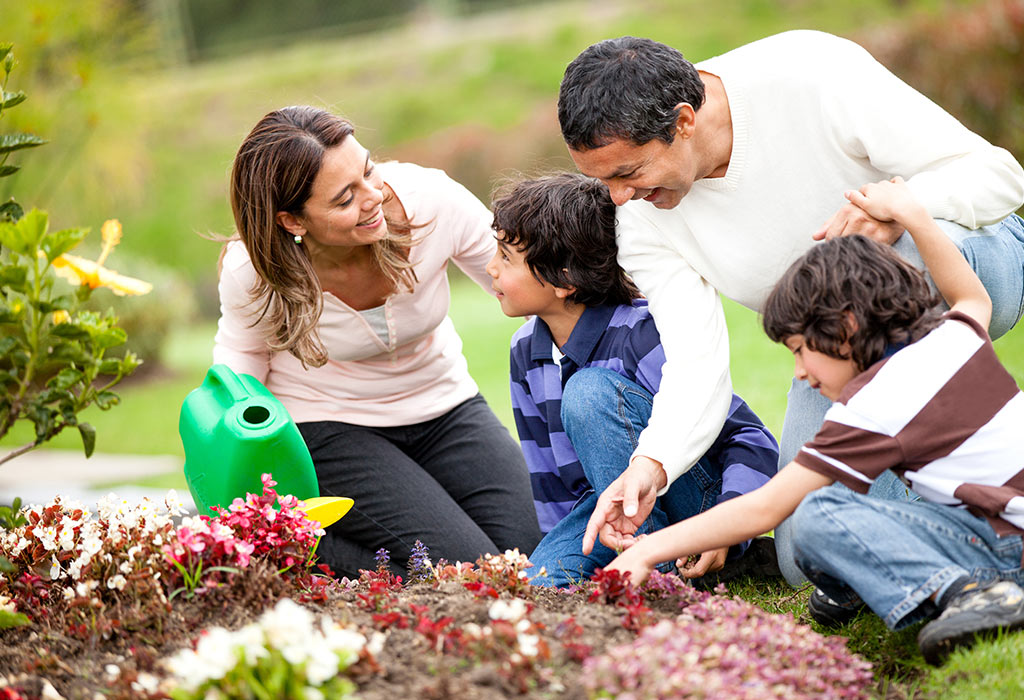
968,60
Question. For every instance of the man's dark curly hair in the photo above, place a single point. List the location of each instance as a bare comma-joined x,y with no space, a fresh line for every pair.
565,227
852,277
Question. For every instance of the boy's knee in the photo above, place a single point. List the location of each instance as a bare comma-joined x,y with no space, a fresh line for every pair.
810,527
587,390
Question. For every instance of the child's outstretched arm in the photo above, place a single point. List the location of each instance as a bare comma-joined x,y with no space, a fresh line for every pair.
891,200
726,524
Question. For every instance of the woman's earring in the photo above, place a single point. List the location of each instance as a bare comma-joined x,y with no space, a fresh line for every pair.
298,239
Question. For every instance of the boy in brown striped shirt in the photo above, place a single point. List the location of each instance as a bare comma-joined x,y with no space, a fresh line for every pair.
913,390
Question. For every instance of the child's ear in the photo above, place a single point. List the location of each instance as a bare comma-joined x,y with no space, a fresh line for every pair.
850,321
564,292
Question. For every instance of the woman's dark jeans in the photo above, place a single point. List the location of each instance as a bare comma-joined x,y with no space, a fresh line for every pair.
458,483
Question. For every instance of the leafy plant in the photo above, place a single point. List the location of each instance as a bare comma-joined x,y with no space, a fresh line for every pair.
53,360
287,653
11,210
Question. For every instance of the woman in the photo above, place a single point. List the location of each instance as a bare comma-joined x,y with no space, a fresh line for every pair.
336,298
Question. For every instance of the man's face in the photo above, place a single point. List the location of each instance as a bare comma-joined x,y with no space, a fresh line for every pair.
656,171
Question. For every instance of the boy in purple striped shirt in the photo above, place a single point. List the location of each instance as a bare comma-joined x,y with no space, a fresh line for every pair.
584,370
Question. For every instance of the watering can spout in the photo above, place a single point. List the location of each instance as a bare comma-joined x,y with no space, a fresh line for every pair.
234,430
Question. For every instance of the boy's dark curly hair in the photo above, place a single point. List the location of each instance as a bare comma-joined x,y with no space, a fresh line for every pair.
852,277
565,227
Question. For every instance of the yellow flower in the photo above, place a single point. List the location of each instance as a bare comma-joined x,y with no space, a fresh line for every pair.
81,271
60,316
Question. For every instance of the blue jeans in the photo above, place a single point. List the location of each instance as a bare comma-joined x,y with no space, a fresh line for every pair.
603,414
996,253
894,555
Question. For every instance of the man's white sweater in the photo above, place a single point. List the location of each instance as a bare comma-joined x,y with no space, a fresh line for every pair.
813,115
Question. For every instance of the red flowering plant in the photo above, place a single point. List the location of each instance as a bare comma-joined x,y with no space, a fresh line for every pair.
207,550
76,567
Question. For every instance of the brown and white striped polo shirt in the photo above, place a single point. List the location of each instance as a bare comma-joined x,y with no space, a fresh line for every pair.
944,414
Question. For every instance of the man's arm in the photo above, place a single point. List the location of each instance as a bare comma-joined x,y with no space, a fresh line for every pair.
726,524
953,275
954,173
691,403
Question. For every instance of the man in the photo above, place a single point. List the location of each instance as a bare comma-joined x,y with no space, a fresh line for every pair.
725,173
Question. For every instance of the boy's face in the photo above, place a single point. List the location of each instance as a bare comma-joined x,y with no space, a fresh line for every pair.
829,375
519,292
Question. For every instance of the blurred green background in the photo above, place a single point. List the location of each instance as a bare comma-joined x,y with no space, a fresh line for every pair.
145,101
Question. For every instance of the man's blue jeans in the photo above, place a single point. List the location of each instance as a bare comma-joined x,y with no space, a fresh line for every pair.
603,414
996,253
894,554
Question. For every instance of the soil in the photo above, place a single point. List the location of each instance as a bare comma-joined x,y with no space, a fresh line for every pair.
31,656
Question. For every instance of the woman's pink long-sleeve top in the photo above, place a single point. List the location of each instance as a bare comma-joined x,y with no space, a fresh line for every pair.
420,373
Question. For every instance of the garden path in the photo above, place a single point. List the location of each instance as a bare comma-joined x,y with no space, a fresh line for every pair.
39,475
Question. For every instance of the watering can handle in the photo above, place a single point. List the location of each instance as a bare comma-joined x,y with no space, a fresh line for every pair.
227,378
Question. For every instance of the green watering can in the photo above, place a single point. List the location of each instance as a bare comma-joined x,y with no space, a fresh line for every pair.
233,430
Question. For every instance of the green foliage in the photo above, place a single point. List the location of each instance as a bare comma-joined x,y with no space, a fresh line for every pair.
53,355
16,141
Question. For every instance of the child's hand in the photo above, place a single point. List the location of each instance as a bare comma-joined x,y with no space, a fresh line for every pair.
696,566
632,562
888,200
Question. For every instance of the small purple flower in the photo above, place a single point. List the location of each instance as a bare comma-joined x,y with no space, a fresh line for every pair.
383,559
419,563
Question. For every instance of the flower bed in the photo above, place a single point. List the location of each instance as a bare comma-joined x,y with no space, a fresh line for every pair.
130,604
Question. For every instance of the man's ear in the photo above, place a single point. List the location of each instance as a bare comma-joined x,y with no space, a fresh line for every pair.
686,121
290,223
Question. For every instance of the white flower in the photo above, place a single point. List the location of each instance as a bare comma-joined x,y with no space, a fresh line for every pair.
47,536
312,693
118,582
146,682
375,645
252,642
322,665
287,624
112,670
528,644
54,569
512,610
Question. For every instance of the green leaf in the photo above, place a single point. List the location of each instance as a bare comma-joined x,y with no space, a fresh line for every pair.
65,379
107,399
18,141
110,365
60,242
5,48
12,98
8,343
14,277
24,236
6,170
69,331
11,210
109,338
88,434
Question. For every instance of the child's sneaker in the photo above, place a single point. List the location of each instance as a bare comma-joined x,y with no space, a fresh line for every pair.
831,613
978,609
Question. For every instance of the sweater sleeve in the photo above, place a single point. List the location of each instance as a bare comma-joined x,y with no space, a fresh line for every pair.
472,235
955,173
693,399
238,344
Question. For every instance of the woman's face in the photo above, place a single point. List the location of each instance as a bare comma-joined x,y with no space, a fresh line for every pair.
344,207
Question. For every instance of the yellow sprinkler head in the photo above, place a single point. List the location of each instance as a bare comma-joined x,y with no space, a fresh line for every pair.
327,510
